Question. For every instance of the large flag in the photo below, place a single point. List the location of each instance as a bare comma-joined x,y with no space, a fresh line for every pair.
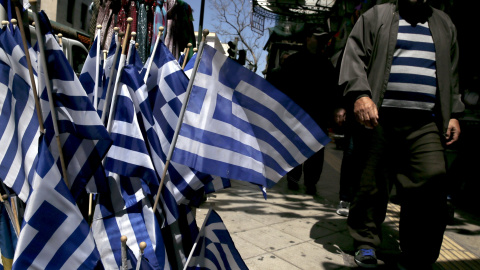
125,210
84,139
88,77
215,248
8,238
238,126
18,117
54,232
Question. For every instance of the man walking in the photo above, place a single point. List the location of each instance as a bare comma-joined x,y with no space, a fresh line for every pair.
400,76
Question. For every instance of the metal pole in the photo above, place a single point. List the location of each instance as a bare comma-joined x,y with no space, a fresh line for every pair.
200,24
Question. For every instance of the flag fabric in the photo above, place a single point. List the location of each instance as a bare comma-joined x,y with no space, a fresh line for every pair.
8,238
18,117
84,139
215,248
178,224
89,71
132,262
54,232
238,126
125,209
160,103
133,57
108,65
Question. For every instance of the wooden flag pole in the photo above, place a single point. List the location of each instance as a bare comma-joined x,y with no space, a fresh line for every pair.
60,36
121,64
14,23
11,214
160,33
48,84
30,69
108,96
142,246
97,67
123,239
185,58
180,117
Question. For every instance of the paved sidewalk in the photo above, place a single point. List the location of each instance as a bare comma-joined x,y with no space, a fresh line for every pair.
292,230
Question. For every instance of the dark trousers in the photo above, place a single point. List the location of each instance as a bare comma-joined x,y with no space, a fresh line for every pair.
348,170
312,169
413,156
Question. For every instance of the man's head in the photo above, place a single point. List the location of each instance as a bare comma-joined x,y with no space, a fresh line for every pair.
414,11
316,38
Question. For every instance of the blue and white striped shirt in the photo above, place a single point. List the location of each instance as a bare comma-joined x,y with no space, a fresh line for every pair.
413,82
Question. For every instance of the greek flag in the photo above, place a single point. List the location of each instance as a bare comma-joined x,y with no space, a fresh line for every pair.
238,126
160,103
89,70
84,139
179,225
125,209
215,248
18,117
54,234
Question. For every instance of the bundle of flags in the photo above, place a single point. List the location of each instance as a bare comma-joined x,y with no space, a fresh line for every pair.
230,124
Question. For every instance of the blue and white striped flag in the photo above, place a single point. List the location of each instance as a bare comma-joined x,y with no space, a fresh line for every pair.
215,248
54,234
160,104
238,126
18,117
84,139
89,71
125,210
133,58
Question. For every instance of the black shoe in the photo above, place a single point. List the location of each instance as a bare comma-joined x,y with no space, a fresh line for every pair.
366,258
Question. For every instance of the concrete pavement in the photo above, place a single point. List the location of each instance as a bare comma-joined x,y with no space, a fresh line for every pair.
292,230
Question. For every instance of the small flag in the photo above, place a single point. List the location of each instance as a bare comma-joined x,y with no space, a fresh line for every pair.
215,248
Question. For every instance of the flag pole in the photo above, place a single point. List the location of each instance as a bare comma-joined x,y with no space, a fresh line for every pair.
198,238
97,68
30,69
108,95
60,36
187,51
160,33
180,117
123,239
48,84
142,246
13,217
123,56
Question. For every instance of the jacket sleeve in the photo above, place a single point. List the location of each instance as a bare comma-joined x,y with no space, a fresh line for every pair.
457,105
354,67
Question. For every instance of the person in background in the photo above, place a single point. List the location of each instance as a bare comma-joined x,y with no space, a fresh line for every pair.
400,73
308,78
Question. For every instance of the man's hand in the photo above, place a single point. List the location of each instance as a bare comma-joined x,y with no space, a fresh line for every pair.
453,131
366,112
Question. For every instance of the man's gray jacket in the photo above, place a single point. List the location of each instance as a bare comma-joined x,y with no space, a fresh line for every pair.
369,52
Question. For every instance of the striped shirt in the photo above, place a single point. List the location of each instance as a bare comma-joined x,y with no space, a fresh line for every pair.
413,82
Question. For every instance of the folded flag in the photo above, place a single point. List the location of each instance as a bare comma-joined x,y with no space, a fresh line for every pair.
238,126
